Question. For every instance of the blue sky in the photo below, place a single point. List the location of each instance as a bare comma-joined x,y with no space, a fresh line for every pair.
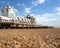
46,12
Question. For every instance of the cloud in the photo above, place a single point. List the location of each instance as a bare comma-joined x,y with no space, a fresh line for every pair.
23,5
57,9
37,2
48,19
16,10
27,10
41,1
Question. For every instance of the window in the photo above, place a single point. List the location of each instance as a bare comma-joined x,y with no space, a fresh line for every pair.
11,15
22,19
2,11
7,10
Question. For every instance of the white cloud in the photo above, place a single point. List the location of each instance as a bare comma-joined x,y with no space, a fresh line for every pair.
57,9
16,10
48,19
41,1
27,10
23,5
37,2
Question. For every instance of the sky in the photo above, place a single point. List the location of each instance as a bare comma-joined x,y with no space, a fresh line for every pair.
46,12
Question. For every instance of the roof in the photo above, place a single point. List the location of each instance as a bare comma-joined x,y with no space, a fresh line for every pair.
6,18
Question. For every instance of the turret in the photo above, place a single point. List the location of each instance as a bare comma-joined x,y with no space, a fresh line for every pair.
9,11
